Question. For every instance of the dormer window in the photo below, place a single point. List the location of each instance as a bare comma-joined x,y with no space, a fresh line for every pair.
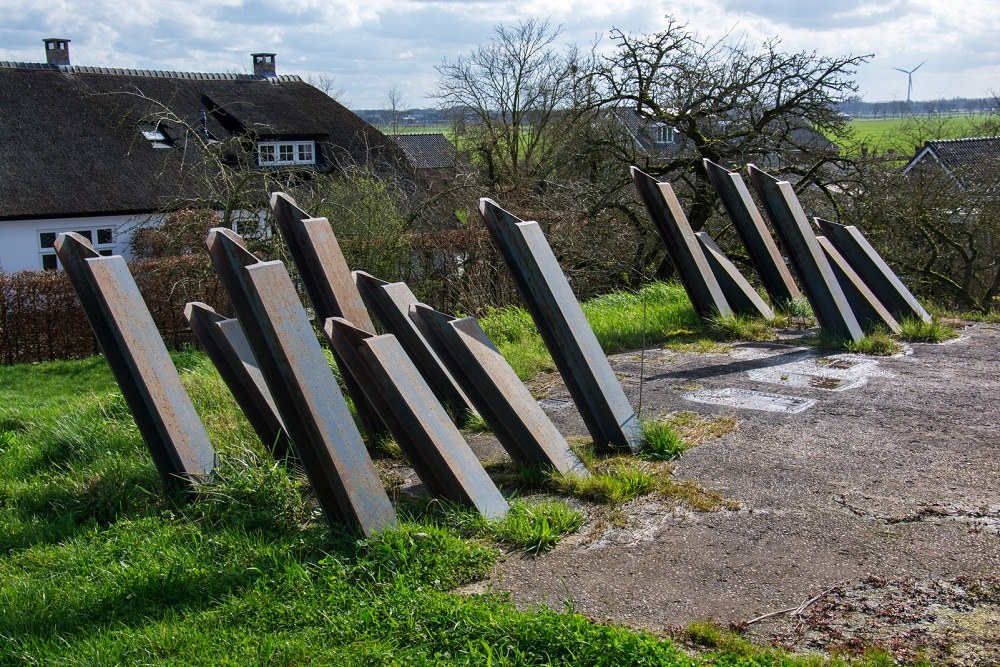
280,153
156,135
663,134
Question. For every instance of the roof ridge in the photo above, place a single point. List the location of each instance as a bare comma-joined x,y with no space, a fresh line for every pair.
155,73
960,139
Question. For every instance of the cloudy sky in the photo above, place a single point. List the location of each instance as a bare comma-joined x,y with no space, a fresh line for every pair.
369,46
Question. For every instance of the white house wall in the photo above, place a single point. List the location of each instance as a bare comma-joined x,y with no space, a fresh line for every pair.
20,248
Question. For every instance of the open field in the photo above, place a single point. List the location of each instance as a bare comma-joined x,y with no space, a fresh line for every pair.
906,135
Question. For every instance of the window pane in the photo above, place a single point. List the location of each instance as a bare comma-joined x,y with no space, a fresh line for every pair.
47,239
104,236
286,152
266,153
49,262
86,233
305,153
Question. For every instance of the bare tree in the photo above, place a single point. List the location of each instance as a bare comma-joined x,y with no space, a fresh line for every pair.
396,108
519,90
328,84
731,101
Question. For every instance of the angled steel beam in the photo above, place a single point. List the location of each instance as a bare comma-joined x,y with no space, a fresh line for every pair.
886,285
761,248
507,407
440,455
828,301
125,330
226,345
327,279
866,306
740,294
390,303
685,252
302,385
599,397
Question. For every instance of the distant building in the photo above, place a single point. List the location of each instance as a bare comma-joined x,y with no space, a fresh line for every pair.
97,150
973,163
431,155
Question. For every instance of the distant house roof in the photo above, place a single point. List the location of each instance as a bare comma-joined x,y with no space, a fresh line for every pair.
97,141
430,150
974,162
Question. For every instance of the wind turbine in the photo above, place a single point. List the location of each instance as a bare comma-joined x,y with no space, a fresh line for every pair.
909,79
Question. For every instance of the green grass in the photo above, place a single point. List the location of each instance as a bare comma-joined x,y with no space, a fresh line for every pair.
915,330
896,134
660,442
733,326
657,314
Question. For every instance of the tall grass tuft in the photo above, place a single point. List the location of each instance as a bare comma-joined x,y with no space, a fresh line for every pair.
915,330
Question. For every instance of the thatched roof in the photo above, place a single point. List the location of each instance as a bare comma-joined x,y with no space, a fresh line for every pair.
974,161
72,142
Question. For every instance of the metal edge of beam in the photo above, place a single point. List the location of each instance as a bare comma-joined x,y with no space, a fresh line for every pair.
303,387
866,306
550,301
685,252
753,232
132,345
828,301
226,346
390,304
740,294
507,407
874,270
441,457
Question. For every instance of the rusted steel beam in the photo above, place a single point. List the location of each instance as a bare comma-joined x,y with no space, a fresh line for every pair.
599,397
828,301
321,264
506,405
302,385
685,252
390,303
125,330
869,264
740,294
761,248
867,308
226,345
328,282
439,454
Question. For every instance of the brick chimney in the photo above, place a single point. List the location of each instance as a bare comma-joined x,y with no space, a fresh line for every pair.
263,64
56,51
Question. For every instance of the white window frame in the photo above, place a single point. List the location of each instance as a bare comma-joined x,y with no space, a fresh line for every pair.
664,134
302,152
94,231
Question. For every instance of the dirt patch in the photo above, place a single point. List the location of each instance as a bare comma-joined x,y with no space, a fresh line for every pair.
882,498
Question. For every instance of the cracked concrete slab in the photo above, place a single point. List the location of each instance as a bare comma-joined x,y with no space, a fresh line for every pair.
899,477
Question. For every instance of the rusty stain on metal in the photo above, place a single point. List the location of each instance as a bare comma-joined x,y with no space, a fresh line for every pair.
439,454
302,385
866,306
761,248
506,405
740,294
828,301
598,396
870,266
162,409
226,345
685,252
390,303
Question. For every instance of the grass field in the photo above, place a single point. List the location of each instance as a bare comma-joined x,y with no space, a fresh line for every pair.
906,135
98,566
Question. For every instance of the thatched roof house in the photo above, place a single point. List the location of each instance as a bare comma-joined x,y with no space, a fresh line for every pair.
91,148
